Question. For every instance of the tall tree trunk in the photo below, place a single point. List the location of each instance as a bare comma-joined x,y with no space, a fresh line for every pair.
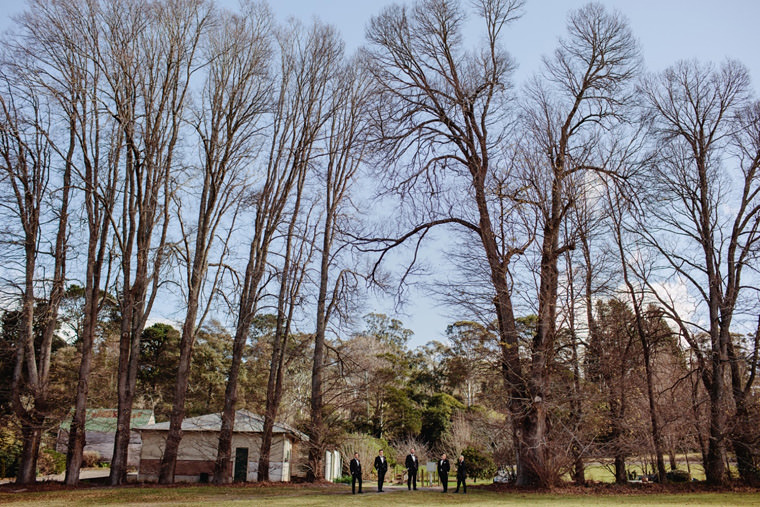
715,469
512,373
99,208
198,272
653,413
280,343
26,176
31,433
28,416
149,95
290,288
620,474
535,423
75,451
30,382
743,431
617,413
579,468
125,395
223,465
233,100
174,437
588,293
315,470
246,312
646,345
274,392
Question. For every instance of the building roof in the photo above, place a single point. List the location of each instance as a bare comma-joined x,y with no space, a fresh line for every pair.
245,422
104,419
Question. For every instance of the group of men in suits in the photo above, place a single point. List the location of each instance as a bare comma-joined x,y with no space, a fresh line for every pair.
381,465
412,466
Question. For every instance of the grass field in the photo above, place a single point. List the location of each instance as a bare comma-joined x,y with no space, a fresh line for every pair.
299,495
601,473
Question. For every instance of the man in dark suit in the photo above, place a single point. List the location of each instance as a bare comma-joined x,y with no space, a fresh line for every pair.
356,473
381,465
461,474
443,472
412,464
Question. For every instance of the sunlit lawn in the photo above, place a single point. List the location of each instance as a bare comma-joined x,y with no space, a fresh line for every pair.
341,495
600,473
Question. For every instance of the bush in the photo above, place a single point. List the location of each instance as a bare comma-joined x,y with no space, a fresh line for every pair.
90,459
480,465
51,462
10,448
678,476
346,479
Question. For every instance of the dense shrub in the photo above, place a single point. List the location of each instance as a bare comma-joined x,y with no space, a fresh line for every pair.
90,459
480,464
10,448
51,462
678,476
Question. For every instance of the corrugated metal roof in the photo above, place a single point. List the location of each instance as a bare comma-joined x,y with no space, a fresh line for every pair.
104,419
245,422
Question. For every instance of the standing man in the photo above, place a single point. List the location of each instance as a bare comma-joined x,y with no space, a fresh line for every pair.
461,474
443,472
356,473
381,465
412,464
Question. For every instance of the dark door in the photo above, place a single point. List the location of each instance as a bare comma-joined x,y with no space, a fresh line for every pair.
241,464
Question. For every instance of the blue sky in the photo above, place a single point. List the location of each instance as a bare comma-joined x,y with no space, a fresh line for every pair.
668,30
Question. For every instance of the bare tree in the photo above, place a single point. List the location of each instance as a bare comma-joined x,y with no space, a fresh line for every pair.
234,100
705,230
61,44
578,473
307,61
26,169
150,54
440,113
620,205
36,170
588,276
345,145
442,123
743,357
582,93
299,248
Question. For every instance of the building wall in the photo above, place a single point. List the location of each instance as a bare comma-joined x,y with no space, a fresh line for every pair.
102,443
197,455
333,465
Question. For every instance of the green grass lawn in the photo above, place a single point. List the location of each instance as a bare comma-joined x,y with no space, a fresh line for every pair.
601,473
279,495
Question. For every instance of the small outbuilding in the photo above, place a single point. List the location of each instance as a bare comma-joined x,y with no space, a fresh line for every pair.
100,433
333,465
200,438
